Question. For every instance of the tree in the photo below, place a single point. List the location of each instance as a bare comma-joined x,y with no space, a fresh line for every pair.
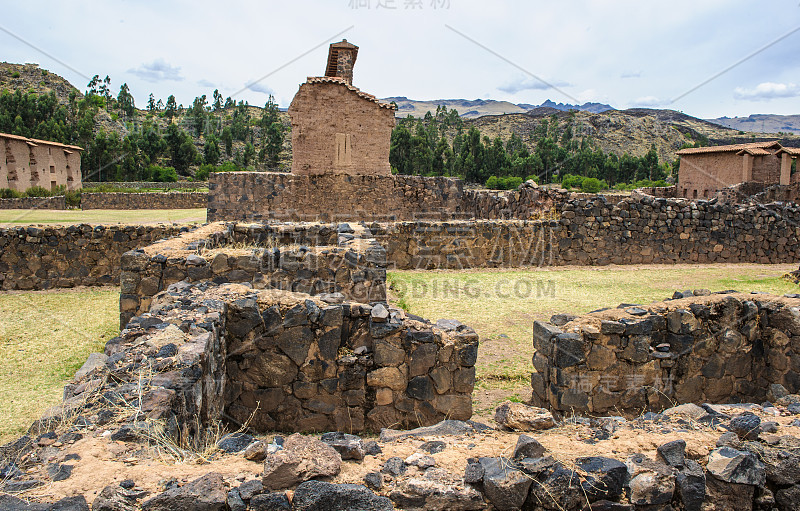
400,150
217,100
171,110
125,100
182,150
92,85
227,139
105,91
198,114
211,152
151,103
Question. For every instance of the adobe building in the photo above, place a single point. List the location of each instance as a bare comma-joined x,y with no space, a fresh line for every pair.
337,128
704,170
28,162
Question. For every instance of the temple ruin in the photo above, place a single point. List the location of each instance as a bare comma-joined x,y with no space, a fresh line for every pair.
337,128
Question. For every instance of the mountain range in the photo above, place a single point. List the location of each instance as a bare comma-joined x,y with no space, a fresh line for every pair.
472,109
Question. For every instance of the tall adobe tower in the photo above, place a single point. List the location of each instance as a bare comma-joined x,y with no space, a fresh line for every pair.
337,128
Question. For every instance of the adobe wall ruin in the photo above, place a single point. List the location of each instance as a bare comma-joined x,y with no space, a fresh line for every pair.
717,348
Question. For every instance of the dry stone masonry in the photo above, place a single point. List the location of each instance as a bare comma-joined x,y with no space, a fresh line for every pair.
717,348
133,201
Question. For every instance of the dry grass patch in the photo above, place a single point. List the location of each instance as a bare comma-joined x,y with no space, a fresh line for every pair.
45,336
16,217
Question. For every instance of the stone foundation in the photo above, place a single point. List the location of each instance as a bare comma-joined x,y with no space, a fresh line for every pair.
720,348
34,203
78,255
155,200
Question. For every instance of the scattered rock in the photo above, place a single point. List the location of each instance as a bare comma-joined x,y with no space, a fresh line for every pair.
734,466
249,489
651,483
235,442
235,502
528,447
117,498
394,466
276,501
319,496
59,472
379,314
95,362
788,498
504,486
302,458
372,448
420,461
776,392
606,477
473,474
373,480
433,446
747,426
688,410
673,453
256,451
444,428
207,493
522,417
350,447
690,486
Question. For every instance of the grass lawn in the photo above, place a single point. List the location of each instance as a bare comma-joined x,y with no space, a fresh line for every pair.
15,217
45,336
501,305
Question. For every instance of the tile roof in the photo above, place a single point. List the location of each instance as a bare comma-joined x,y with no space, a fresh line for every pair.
793,151
728,148
754,151
359,92
36,141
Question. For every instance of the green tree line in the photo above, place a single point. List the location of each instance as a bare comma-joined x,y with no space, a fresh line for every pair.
438,145
200,138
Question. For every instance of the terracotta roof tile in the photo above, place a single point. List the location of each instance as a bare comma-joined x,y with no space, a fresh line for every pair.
793,151
36,141
342,81
754,151
728,148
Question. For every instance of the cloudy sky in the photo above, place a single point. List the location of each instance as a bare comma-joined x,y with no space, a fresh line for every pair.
707,58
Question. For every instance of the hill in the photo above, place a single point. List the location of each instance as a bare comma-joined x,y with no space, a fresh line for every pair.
471,109
765,123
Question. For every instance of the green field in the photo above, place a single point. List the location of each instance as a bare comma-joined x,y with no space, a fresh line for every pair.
16,217
502,305
46,335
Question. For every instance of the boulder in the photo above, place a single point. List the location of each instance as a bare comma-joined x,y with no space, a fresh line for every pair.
605,477
350,447
651,483
394,466
788,498
673,453
302,458
443,428
235,442
116,498
276,501
747,426
504,486
318,496
522,417
207,493
528,447
739,467
690,486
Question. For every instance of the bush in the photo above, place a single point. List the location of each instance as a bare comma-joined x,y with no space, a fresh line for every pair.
570,181
73,198
491,183
503,183
15,74
8,193
162,174
38,191
593,185
535,179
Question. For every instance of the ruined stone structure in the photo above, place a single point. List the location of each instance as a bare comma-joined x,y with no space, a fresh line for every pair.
28,162
337,128
704,170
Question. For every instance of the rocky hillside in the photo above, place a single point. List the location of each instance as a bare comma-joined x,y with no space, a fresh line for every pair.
631,131
765,123
472,109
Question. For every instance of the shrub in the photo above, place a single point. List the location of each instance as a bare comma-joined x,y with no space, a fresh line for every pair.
491,183
8,193
593,185
162,174
570,181
535,179
73,198
503,183
37,191
15,74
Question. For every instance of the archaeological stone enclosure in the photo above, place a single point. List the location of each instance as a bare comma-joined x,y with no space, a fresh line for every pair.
275,316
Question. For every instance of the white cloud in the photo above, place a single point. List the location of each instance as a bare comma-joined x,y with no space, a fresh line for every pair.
206,83
259,87
766,91
158,70
648,102
529,83
636,74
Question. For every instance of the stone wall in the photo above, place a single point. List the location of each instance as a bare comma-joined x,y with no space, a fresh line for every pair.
178,185
716,348
637,230
267,196
34,203
78,255
355,268
292,361
155,200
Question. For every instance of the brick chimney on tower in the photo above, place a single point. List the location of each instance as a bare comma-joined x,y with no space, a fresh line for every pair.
341,59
